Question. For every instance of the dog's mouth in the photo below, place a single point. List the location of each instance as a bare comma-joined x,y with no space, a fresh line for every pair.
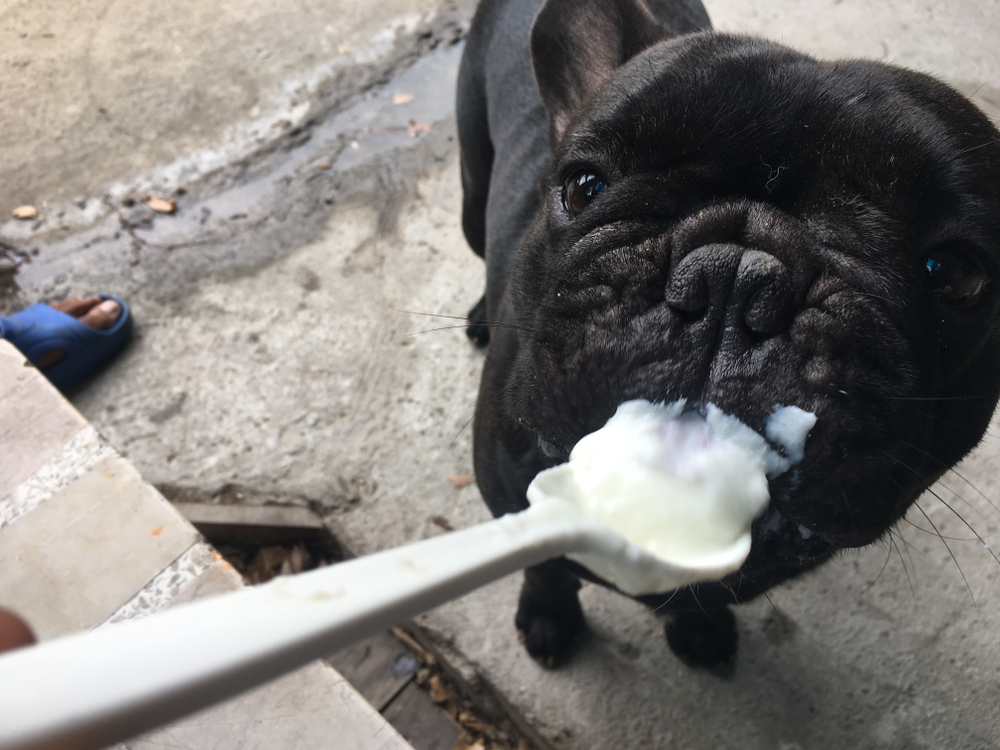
780,538
553,453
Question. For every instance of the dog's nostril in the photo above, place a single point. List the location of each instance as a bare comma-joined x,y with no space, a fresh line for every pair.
687,294
751,288
769,311
763,285
688,316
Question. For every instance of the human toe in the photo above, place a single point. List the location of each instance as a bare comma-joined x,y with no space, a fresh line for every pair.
103,315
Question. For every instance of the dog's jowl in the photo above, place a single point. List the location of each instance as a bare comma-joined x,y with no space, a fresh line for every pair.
666,212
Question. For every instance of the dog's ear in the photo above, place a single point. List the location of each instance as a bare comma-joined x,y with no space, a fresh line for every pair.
576,44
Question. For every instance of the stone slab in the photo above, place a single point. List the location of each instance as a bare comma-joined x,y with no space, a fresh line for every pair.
309,709
35,422
73,561
314,707
77,456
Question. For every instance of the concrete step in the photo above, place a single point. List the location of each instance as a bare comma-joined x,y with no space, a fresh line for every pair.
86,543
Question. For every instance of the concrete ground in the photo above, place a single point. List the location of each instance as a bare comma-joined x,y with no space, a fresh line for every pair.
317,229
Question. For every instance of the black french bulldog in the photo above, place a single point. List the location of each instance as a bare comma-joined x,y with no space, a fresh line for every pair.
667,212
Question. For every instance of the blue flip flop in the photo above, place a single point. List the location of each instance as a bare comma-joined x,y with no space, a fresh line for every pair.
39,329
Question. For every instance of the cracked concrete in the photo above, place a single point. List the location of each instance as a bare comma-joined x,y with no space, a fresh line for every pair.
272,358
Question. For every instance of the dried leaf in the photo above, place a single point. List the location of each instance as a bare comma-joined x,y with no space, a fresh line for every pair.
402,98
418,127
268,561
299,558
450,707
25,212
461,480
443,523
342,50
438,692
467,742
323,165
470,721
162,205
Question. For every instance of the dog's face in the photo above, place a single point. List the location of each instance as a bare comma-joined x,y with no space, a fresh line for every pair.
730,222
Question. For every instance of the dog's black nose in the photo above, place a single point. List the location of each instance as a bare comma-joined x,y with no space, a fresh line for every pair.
747,288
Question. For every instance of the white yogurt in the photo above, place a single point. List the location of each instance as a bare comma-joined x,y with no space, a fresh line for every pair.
678,485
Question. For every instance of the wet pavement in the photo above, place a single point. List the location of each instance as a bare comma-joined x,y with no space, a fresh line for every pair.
280,353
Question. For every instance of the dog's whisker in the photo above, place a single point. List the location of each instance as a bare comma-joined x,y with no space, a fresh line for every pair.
875,580
776,611
461,430
950,552
700,605
460,326
433,315
667,600
473,417
954,471
466,322
903,464
956,495
938,418
908,548
906,572
967,525
456,317
922,530
981,145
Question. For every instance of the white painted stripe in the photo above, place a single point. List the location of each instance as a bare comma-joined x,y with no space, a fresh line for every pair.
80,454
158,593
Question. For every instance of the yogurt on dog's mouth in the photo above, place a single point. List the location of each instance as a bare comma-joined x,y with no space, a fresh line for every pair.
679,485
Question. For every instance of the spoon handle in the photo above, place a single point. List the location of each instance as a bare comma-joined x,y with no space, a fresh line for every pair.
92,689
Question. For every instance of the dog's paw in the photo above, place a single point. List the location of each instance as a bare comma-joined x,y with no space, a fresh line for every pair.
549,637
704,639
478,330
549,617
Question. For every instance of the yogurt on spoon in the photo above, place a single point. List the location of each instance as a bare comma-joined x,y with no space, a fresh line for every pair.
681,487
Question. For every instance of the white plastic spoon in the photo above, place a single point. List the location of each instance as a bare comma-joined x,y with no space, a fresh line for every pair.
93,689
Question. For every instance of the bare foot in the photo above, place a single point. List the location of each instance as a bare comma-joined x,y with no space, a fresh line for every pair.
91,311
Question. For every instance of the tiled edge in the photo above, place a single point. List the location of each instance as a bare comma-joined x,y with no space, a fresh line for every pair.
83,451
160,592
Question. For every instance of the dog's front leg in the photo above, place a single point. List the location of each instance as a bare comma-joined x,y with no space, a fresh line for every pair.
549,616
703,638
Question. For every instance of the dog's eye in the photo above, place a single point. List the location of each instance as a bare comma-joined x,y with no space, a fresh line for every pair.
957,278
580,189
